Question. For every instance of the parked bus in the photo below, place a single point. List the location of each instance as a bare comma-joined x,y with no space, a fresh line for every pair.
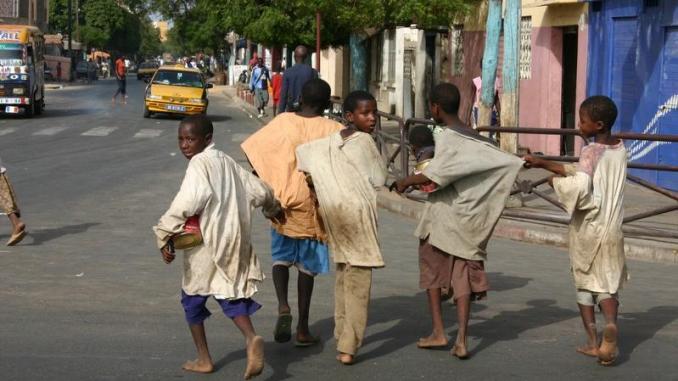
22,70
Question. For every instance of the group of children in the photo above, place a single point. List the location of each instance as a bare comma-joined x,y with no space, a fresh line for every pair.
317,179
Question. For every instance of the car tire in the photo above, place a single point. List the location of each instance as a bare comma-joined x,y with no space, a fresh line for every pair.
147,112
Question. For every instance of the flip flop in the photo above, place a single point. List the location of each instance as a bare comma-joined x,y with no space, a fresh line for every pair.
16,238
283,328
303,344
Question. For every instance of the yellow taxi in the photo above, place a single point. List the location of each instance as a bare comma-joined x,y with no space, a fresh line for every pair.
176,90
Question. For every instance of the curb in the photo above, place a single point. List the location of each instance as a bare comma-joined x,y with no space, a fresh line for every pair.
525,231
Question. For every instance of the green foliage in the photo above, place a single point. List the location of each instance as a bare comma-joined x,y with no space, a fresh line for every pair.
203,23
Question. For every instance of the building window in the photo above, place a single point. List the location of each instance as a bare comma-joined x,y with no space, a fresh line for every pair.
526,47
457,49
9,8
391,56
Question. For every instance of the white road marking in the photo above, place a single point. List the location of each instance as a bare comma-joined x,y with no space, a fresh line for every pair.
239,138
7,131
99,131
50,131
148,133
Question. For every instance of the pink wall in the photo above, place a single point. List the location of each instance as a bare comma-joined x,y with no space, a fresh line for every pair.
582,60
540,96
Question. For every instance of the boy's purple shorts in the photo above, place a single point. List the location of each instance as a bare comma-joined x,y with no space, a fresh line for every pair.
196,312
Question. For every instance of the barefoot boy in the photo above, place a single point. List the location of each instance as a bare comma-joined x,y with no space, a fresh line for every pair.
8,205
345,169
298,241
592,193
222,193
473,180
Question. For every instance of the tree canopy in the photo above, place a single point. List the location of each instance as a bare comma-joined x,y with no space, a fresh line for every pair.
203,24
115,25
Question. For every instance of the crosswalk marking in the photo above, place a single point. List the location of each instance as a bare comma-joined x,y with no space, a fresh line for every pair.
148,133
99,131
50,131
7,131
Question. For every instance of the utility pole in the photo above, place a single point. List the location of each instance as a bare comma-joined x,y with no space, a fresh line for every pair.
317,41
490,58
510,99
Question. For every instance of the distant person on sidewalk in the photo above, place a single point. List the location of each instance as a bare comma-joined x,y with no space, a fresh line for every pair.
259,82
276,86
58,71
221,194
299,241
473,180
294,80
121,76
345,169
8,205
593,192
478,85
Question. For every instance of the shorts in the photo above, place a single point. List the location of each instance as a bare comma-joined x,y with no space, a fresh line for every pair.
196,312
310,256
590,298
437,269
260,98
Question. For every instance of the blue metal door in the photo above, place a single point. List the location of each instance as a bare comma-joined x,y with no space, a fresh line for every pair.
667,112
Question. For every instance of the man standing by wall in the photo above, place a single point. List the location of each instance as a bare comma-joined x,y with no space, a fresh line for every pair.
294,79
259,85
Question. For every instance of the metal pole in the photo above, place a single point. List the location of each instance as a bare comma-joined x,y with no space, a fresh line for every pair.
317,41
70,37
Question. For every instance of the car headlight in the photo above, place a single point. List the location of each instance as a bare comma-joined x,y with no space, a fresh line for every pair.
18,91
154,97
197,100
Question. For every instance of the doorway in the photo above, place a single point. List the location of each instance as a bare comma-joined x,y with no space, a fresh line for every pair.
569,88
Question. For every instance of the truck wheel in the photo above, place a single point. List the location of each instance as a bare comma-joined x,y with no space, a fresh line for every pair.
30,109
147,113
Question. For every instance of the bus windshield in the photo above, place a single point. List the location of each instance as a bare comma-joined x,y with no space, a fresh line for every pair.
11,55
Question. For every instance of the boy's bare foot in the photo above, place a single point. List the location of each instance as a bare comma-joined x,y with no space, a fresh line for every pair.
433,341
607,352
345,358
459,351
255,357
588,351
198,366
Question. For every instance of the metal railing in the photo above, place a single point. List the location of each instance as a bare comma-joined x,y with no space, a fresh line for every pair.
529,187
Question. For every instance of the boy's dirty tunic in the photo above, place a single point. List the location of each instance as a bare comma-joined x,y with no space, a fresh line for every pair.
345,174
223,194
592,193
474,181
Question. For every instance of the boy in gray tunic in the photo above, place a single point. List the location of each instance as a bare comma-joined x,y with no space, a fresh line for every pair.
473,180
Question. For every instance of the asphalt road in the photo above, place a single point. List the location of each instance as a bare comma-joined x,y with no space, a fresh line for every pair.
87,297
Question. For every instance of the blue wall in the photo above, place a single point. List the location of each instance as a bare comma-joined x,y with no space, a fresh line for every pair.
633,59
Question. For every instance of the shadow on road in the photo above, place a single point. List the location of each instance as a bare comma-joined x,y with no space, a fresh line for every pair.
170,116
41,236
636,328
67,112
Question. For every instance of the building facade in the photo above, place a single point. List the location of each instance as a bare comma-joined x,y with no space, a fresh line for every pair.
633,59
29,12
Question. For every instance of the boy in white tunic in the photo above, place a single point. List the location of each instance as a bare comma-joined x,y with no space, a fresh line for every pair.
592,193
223,194
344,169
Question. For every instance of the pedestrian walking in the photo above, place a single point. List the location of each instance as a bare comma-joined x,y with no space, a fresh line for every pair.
9,206
473,179
260,80
592,193
223,266
298,241
344,170
121,76
294,80
276,85
58,71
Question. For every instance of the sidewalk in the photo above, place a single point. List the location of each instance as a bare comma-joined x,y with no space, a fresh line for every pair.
636,199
